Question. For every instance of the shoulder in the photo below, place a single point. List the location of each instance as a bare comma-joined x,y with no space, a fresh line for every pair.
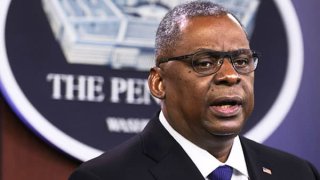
127,157
132,158
280,161
261,150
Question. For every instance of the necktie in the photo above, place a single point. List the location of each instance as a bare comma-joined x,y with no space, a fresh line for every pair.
221,173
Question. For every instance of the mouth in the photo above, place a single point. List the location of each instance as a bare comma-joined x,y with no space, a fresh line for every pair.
226,106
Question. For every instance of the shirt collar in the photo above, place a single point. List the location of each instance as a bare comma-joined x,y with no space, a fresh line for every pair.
204,161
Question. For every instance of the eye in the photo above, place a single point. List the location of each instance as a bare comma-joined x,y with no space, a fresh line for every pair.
204,63
241,62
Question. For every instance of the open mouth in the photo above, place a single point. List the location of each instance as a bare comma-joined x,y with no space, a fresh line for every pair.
226,107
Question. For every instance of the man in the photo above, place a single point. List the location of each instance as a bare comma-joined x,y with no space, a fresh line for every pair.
204,76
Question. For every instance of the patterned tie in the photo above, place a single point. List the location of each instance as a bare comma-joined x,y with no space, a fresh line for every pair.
221,173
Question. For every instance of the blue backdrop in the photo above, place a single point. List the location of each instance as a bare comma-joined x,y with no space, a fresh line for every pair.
300,131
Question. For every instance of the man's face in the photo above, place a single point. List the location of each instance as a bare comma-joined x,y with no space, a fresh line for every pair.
201,107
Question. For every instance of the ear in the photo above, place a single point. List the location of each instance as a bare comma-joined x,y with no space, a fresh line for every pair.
155,83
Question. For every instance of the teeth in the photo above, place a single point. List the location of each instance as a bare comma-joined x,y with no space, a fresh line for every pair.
225,106
228,103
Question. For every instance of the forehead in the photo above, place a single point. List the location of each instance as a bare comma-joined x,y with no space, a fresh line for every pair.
223,33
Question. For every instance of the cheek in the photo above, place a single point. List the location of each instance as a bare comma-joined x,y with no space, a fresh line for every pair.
248,84
186,87
249,90
175,85
183,85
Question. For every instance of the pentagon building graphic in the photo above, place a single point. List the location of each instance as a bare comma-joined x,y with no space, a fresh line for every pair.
119,33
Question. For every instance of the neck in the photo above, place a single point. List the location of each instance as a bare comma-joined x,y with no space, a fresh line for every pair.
219,147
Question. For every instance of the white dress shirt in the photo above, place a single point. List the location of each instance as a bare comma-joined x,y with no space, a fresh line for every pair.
205,162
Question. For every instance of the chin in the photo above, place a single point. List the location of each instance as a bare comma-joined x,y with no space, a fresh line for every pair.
225,134
228,127
225,131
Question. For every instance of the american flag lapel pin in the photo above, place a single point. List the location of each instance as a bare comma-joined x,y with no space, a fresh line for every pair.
266,170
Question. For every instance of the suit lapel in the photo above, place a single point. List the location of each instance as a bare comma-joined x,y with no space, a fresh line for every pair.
176,165
258,166
172,161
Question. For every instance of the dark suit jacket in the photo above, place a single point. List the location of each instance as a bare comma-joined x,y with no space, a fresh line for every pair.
154,154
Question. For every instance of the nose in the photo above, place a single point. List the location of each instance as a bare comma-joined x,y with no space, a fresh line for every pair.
226,75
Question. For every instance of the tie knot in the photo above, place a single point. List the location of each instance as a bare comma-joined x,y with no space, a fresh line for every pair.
221,173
